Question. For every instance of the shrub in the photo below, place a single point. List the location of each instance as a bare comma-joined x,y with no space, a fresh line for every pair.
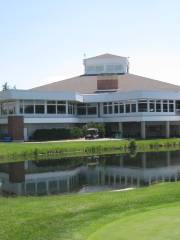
132,145
57,134
76,132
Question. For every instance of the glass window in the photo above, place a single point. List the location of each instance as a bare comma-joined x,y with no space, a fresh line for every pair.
11,108
51,109
110,109
165,106
91,109
133,107
61,109
107,108
152,106
39,102
21,109
99,69
71,108
118,68
51,102
121,108
142,106
171,107
39,109
81,109
61,102
29,109
110,68
4,109
91,69
178,105
127,108
158,106
116,108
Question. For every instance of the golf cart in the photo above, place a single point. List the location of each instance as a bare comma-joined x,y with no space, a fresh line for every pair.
92,133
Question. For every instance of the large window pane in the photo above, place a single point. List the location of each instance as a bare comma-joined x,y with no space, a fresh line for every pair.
171,107
39,109
51,109
152,106
142,106
127,108
158,106
29,109
133,107
61,109
121,108
81,109
165,106
110,109
92,110
116,108
178,105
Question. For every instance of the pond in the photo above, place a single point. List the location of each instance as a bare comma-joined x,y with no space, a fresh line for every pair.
88,174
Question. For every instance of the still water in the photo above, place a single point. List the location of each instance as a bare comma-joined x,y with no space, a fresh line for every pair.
88,174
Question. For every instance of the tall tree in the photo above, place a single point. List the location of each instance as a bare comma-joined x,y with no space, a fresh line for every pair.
5,86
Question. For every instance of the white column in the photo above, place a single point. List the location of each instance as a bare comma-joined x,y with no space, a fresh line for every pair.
45,106
17,107
143,130
148,108
167,129
66,107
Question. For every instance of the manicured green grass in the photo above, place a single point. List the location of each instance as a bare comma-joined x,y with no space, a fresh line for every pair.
158,224
79,217
16,151
19,151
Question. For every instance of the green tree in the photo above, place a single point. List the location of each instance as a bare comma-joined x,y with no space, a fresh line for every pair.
5,86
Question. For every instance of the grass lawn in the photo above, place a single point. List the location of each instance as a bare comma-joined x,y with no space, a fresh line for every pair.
18,151
158,224
146,213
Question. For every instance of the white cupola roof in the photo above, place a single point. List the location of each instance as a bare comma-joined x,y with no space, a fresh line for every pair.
106,64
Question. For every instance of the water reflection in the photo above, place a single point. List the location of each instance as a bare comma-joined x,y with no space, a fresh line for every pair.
87,174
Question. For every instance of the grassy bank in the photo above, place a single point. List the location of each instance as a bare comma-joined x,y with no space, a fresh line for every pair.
80,217
18,151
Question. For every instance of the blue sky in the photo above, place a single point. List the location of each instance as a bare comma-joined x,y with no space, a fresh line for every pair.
42,41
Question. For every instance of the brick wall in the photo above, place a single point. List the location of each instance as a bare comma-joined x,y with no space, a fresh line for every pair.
16,127
107,82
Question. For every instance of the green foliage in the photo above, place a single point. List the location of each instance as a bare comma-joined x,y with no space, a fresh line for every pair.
57,134
132,145
99,126
76,132
5,87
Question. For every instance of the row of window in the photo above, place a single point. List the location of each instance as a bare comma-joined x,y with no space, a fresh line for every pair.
104,68
72,108
51,107
140,106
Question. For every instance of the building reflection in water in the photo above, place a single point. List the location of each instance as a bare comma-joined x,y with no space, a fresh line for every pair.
89,174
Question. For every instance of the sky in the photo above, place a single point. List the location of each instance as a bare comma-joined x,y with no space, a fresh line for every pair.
42,41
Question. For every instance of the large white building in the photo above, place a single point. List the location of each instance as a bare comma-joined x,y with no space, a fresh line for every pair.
107,93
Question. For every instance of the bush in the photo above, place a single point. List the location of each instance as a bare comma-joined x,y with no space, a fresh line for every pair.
76,132
57,134
132,145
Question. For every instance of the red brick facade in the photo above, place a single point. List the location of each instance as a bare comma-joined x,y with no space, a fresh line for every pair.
16,127
107,83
